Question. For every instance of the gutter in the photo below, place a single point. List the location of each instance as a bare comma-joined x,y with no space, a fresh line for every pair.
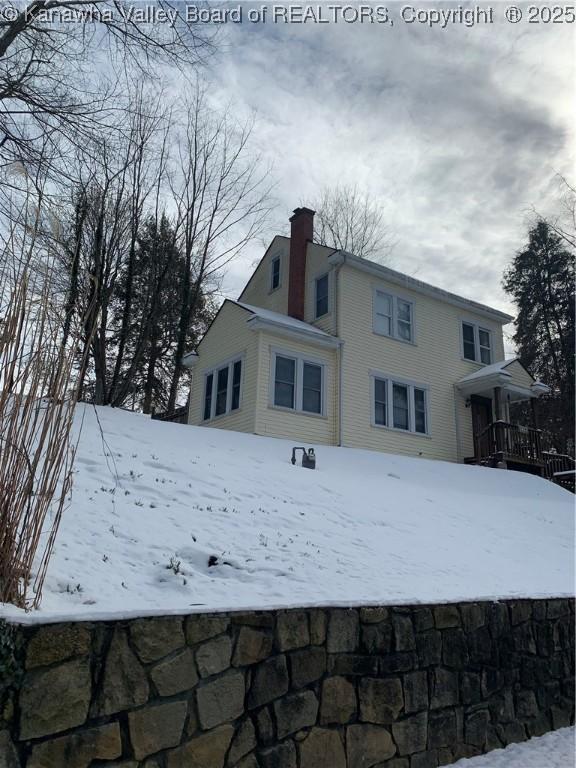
411,283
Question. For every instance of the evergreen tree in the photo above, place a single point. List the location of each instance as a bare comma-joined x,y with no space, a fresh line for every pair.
151,334
541,282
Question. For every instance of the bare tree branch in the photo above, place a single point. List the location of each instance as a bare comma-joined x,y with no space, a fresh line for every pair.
350,220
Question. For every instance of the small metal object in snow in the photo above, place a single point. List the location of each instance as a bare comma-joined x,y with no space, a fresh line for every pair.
308,457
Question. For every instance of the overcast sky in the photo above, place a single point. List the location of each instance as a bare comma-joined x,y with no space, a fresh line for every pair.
456,132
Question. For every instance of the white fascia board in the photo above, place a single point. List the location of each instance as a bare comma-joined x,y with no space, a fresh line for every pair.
398,278
481,384
320,339
502,380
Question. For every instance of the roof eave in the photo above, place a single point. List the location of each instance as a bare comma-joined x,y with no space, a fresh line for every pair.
398,278
190,359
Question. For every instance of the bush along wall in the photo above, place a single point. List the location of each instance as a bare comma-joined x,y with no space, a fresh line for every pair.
404,687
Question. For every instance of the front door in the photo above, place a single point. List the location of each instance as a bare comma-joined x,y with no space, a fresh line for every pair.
481,418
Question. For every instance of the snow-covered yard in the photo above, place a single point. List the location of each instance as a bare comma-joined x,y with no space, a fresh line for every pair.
553,750
167,518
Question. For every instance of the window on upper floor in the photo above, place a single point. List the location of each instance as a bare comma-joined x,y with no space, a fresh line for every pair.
399,405
275,273
321,296
298,384
393,316
476,343
222,390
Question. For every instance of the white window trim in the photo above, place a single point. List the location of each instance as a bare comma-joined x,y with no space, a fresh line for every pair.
412,385
329,303
395,297
477,328
228,363
277,258
298,382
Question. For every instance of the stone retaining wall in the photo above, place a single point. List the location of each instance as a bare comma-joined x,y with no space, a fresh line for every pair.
406,687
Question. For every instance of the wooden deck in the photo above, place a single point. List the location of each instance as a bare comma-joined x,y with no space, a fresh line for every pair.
513,446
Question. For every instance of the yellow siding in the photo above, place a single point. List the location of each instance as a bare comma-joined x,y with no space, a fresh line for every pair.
303,428
258,292
316,266
228,336
434,360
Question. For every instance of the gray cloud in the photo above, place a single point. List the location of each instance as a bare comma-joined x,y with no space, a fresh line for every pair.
457,132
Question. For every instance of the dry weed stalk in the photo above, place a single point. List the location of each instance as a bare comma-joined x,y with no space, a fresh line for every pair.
38,395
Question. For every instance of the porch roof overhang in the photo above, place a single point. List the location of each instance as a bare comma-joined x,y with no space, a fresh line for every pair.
484,381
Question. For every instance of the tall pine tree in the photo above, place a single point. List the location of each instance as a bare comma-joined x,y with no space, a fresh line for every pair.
541,282
151,333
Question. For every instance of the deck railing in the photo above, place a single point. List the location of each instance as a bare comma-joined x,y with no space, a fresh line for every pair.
179,415
560,468
509,441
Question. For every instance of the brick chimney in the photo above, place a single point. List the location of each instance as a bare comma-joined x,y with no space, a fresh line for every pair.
301,232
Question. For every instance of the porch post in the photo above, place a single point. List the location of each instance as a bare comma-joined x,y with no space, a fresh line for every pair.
497,427
497,409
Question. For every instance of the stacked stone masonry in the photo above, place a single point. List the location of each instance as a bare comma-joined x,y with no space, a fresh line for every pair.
405,687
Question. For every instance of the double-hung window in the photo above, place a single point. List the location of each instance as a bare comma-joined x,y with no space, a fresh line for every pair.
222,390
400,411
476,343
381,402
209,382
285,382
275,273
400,405
311,388
298,384
393,316
321,296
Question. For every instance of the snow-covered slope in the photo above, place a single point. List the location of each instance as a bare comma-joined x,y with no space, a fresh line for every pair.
553,750
155,503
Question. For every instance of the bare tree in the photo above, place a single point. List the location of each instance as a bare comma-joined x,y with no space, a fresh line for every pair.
222,198
48,55
350,220
97,244
564,225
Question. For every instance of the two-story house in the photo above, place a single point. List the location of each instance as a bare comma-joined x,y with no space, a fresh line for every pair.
323,347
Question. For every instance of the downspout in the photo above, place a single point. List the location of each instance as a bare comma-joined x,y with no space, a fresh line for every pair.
340,350
459,452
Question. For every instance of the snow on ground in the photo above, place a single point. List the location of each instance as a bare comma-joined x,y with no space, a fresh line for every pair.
553,750
154,503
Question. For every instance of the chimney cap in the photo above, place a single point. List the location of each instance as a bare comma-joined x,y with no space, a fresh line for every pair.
300,211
